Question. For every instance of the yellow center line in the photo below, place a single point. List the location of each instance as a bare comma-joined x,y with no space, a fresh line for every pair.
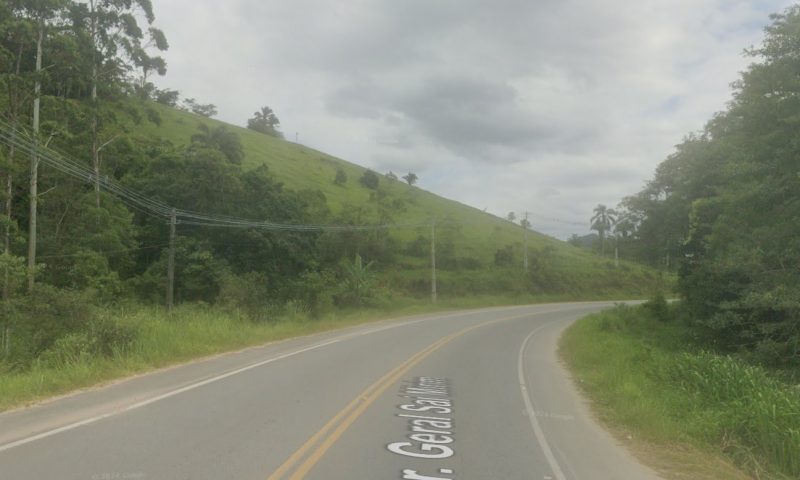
360,403
287,465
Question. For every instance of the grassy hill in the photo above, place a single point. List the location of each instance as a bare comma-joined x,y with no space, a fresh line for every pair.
70,335
469,239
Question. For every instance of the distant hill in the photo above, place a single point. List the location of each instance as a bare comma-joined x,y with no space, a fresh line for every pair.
478,253
585,241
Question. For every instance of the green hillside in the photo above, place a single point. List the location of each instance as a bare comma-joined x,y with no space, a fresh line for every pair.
470,237
95,168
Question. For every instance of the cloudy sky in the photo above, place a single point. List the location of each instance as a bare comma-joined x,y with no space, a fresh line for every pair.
550,106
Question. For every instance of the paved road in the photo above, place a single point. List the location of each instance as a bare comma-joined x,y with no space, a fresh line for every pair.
467,395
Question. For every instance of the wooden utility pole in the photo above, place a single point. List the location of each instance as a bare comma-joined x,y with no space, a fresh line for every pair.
171,262
35,163
433,260
525,243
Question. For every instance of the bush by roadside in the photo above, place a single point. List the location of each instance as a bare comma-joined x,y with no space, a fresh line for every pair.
647,373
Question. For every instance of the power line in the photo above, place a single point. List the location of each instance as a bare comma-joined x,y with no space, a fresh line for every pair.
152,207
144,204
114,252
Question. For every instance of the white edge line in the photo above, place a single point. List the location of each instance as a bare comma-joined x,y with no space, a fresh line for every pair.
178,391
537,428
172,393
163,396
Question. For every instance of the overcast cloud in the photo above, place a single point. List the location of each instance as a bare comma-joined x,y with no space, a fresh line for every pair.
551,106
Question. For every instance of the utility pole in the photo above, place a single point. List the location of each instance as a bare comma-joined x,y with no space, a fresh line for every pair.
525,242
171,262
34,184
433,260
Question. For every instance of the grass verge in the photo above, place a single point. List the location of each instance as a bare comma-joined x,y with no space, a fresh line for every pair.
158,339
688,413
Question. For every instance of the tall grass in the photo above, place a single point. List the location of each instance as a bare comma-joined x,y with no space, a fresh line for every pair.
649,377
145,338
756,416
158,339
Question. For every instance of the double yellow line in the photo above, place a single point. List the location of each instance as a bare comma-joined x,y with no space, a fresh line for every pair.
301,461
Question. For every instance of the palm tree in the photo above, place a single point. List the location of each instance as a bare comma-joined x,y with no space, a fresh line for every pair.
602,221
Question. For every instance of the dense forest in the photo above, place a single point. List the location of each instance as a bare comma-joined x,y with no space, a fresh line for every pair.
724,209
75,79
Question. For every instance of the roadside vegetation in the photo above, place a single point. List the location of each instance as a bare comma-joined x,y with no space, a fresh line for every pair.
688,410
114,342
94,157
723,211
720,370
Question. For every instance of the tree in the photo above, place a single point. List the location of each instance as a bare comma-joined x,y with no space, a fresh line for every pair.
220,139
724,209
411,178
602,221
391,176
504,257
265,121
207,110
369,179
625,225
167,97
41,14
117,44
16,37
511,217
148,63
340,178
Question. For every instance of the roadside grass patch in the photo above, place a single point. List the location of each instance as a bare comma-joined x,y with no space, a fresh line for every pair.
650,380
158,339
140,339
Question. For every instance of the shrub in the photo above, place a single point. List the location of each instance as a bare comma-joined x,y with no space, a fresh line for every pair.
340,178
658,308
108,336
311,292
420,247
469,263
370,180
52,313
66,350
247,293
504,257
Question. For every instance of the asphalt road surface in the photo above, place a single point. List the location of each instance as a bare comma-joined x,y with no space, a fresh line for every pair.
466,395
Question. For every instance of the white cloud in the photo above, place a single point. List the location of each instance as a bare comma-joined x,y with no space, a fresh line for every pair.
551,106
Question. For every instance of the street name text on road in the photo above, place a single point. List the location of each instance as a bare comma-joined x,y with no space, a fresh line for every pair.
430,426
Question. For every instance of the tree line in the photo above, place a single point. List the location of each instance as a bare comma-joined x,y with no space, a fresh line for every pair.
723,211
76,77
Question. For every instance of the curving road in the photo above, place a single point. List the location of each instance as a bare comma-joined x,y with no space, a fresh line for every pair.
465,395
